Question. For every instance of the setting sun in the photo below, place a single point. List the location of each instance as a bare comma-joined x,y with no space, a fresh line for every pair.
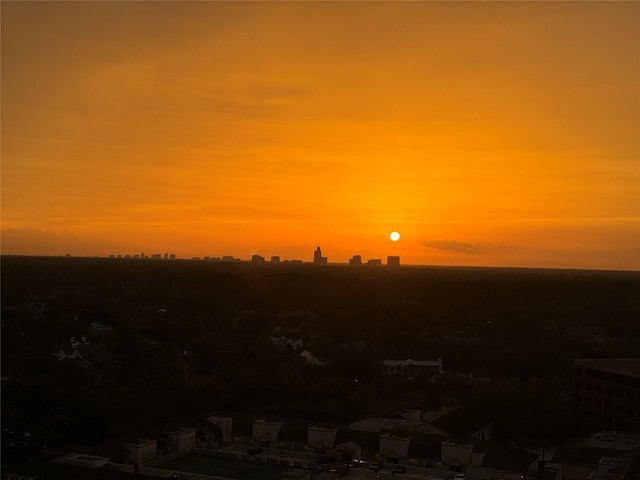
395,236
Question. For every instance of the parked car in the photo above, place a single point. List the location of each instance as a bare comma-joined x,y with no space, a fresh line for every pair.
400,469
376,467
254,451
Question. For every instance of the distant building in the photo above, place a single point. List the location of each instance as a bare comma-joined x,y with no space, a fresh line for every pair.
182,439
266,432
393,261
407,367
355,260
172,256
82,460
607,393
257,259
156,256
321,438
275,259
394,448
374,262
318,258
605,455
141,451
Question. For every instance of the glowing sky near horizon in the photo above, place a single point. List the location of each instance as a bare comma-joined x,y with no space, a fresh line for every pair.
486,133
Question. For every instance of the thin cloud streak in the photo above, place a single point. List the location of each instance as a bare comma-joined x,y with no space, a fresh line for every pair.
453,246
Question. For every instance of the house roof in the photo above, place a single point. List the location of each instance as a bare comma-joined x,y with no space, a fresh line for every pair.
621,366
586,455
426,446
459,422
505,456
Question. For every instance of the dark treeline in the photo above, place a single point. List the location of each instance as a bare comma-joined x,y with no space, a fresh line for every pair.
190,337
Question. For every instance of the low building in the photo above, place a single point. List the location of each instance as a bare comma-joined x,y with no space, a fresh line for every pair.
592,462
182,439
141,451
394,448
607,393
265,431
91,461
409,366
321,438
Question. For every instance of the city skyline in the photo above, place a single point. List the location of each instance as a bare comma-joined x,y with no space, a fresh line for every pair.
485,134
318,259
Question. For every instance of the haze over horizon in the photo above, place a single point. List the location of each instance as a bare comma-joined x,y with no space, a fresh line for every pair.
486,133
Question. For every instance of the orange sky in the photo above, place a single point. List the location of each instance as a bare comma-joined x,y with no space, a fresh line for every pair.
486,133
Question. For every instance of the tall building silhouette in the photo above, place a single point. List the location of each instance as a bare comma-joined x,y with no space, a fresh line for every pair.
393,261
318,258
355,260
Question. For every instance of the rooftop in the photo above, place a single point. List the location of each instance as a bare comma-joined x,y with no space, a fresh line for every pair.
621,366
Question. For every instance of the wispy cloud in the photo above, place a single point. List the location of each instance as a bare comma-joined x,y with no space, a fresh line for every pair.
453,246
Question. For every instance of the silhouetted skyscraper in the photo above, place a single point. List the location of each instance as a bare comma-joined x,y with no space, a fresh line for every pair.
393,261
355,260
318,258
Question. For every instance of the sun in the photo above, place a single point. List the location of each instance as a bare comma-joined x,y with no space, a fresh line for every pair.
395,236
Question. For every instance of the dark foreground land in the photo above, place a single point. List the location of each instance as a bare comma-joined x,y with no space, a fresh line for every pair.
165,340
